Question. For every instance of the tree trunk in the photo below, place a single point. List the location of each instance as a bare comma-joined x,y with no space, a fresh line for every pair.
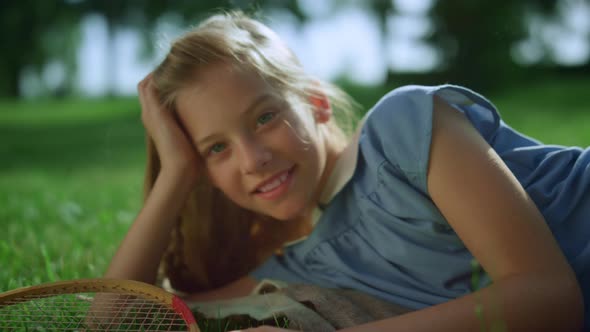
111,54
11,87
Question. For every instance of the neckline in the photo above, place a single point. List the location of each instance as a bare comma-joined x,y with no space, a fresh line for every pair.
342,172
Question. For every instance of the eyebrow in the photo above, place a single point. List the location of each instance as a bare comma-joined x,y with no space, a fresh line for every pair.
259,100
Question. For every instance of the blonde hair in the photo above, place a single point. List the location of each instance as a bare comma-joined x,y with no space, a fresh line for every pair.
215,241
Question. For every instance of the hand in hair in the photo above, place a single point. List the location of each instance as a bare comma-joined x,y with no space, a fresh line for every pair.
177,155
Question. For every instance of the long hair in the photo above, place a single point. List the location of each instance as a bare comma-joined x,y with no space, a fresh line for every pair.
214,240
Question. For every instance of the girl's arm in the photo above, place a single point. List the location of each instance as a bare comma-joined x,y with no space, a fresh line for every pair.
142,248
139,255
534,288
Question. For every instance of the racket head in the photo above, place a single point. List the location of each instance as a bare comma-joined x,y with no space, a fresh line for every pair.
94,305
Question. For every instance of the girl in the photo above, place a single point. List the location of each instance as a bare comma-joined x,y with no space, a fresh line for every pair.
250,177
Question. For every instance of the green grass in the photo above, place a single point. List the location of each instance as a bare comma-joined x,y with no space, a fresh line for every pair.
71,173
555,112
70,184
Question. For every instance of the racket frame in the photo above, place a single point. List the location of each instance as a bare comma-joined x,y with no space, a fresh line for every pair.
102,285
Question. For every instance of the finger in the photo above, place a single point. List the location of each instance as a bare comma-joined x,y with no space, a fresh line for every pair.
148,92
141,84
143,101
152,94
146,79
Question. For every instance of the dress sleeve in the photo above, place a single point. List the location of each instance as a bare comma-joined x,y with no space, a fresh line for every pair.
400,125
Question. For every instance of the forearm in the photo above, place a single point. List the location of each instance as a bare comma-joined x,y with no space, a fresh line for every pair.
520,303
139,254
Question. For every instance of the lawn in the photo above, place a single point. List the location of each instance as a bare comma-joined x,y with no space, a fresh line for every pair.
70,185
71,173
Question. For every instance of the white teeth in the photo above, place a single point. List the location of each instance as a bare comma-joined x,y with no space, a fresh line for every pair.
274,184
270,186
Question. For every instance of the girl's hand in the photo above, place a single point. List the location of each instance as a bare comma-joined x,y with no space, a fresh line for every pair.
177,155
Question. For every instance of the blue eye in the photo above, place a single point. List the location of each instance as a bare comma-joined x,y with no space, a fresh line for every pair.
265,118
217,148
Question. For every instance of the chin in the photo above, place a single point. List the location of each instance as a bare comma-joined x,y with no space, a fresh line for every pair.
289,218
290,209
279,215
290,213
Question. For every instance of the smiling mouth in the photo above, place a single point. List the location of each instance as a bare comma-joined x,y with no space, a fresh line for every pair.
275,187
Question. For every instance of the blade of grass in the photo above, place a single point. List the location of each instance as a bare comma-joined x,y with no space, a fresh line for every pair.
47,260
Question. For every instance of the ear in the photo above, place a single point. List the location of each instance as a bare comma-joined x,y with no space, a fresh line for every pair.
322,111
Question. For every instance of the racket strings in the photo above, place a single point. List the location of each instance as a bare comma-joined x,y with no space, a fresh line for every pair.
88,312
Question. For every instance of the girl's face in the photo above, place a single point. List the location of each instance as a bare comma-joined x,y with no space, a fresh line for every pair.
266,152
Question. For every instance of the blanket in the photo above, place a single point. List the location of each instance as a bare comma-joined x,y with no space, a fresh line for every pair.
299,307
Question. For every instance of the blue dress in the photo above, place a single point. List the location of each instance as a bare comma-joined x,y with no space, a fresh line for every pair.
379,231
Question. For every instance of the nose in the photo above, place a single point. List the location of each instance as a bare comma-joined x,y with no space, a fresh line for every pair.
254,156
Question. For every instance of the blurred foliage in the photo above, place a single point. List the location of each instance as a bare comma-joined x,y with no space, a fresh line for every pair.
474,38
477,37
33,34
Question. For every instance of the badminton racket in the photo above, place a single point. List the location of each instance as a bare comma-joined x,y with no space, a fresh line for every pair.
94,305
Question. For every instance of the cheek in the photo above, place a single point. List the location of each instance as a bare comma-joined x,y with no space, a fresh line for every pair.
218,176
226,178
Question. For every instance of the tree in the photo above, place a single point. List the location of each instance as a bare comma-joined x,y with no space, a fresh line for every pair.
33,33
476,39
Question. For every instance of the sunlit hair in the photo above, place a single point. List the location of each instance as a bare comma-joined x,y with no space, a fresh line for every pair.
215,241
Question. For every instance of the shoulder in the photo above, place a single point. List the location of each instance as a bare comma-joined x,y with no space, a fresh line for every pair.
408,110
411,98
402,112
405,99
400,123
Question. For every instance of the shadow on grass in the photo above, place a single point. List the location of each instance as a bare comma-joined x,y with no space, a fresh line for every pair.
112,142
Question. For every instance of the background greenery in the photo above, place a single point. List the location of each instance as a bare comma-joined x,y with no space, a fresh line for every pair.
477,41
